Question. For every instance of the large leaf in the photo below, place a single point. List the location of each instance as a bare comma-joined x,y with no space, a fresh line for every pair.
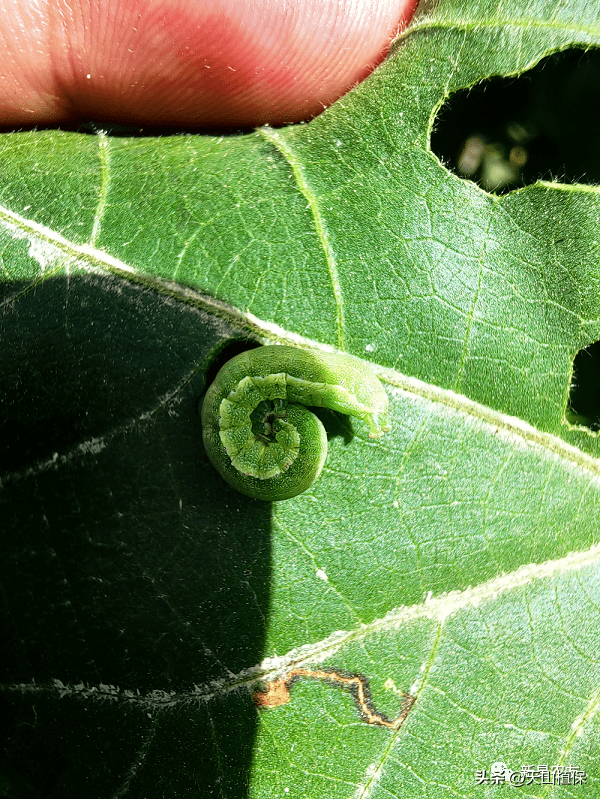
457,558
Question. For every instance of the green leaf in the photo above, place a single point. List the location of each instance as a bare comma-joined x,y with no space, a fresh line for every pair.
457,558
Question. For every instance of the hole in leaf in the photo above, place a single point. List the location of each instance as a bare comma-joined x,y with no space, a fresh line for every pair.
227,351
584,395
509,132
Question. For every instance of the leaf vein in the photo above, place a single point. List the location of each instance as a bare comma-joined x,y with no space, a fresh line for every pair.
104,156
274,138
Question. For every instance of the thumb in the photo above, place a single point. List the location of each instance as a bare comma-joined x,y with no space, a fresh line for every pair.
187,63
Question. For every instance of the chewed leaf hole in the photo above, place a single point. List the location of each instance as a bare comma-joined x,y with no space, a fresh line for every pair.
505,133
584,395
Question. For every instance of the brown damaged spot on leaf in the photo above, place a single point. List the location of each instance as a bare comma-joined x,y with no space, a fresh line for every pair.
277,692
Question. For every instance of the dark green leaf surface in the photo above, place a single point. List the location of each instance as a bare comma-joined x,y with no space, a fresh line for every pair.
456,558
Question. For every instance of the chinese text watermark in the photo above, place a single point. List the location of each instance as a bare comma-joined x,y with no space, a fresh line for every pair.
499,774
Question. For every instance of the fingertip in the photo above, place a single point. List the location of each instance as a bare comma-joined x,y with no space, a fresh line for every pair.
218,63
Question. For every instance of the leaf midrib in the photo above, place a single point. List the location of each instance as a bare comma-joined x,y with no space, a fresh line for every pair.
436,609
96,259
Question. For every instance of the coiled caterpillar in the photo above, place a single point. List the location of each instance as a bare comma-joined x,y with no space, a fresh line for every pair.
259,434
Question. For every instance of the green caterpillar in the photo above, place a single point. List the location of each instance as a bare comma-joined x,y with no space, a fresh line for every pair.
257,432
